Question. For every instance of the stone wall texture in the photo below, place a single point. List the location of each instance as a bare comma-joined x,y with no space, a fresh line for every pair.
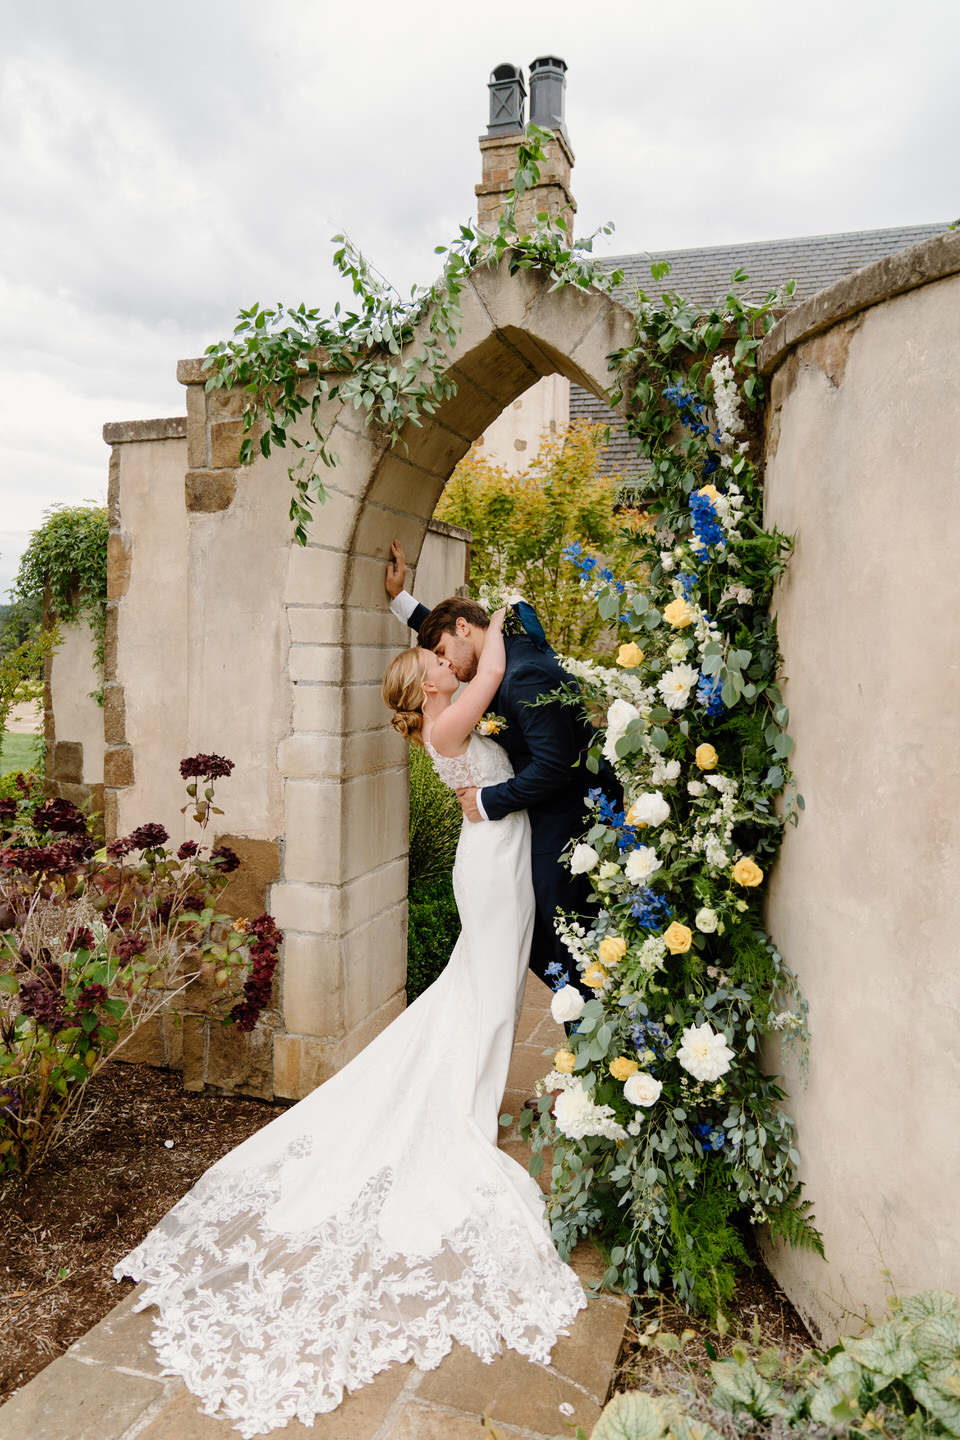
863,464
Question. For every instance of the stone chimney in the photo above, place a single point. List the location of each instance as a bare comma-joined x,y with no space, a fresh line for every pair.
498,148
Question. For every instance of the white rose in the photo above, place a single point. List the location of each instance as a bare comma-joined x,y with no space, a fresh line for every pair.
567,1004
641,864
667,561
608,870
696,788
704,1053
584,858
641,1089
671,771
619,716
649,809
706,920
577,1116
675,685
677,650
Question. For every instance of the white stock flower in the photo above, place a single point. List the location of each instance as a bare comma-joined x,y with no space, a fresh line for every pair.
667,561
704,1053
577,1116
584,858
726,397
706,920
567,1004
665,772
556,1080
649,809
653,952
676,684
641,863
641,1089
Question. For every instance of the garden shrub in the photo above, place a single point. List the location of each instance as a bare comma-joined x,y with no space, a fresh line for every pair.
93,943
435,821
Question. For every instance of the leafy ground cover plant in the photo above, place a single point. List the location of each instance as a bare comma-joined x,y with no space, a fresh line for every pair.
899,1380
93,943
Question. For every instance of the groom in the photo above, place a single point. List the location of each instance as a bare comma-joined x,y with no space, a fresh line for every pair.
547,744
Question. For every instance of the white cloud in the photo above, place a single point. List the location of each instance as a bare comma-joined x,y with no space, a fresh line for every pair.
163,165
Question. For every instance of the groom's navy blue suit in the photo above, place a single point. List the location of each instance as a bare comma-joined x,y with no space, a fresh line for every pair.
547,745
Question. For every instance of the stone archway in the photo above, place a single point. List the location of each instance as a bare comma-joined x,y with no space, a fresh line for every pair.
515,330
284,648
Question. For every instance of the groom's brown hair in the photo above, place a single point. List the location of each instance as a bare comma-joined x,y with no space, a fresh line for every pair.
443,618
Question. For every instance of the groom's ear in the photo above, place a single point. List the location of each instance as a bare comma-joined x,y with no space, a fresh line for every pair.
462,627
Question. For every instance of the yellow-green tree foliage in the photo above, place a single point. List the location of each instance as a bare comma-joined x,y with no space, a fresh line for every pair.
522,523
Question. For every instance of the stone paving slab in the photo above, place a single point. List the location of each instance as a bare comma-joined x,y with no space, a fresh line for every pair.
108,1385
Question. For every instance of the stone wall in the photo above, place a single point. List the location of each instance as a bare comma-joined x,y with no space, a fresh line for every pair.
863,461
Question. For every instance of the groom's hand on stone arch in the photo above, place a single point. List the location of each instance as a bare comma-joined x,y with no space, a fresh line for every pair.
396,576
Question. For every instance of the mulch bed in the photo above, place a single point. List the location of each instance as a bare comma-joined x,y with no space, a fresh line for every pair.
63,1230
95,1199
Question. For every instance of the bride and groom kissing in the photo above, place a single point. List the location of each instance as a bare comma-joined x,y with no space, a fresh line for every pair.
545,739
376,1222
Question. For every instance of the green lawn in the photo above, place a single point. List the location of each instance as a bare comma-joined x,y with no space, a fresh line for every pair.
18,752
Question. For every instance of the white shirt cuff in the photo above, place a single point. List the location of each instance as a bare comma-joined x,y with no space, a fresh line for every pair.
403,606
483,813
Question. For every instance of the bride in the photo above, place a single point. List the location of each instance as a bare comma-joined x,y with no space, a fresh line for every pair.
376,1222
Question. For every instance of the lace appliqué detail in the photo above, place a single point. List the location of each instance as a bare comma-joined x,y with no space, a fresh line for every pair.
265,1326
484,762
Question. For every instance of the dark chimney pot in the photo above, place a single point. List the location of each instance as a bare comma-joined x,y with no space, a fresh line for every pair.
507,94
547,86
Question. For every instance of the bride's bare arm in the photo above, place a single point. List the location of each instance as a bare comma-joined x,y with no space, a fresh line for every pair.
451,731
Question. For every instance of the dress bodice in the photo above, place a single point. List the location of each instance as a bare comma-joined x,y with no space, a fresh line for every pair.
484,762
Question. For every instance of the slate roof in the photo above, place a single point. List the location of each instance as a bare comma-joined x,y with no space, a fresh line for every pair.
813,261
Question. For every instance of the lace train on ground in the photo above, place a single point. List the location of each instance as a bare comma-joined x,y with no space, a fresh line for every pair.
266,1327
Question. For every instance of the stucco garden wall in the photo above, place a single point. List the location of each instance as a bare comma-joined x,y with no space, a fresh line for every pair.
73,720
863,467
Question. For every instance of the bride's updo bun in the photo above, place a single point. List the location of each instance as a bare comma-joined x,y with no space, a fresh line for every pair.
403,692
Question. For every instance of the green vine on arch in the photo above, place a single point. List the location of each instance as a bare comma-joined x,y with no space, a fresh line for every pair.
66,561
291,361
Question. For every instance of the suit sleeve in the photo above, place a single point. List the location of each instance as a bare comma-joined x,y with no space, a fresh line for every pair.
550,734
408,610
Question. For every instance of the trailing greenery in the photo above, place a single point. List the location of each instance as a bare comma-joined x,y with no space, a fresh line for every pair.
67,560
294,363
899,1381
522,525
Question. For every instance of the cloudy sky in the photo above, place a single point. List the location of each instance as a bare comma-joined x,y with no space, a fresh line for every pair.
163,164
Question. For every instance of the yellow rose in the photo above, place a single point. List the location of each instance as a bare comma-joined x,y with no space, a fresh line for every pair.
711,492
564,1061
611,950
678,613
622,1068
629,656
706,757
677,938
595,976
747,872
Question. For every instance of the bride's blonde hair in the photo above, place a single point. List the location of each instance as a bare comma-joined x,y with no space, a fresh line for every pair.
403,691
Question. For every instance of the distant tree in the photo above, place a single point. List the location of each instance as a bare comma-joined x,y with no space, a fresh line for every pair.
522,525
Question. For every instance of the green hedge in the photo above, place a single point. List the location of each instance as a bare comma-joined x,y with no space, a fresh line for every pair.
435,821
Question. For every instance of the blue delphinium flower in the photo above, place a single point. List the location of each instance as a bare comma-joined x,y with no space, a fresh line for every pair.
690,408
650,909
706,522
711,463
687,582
557,975
650,1035
710,1137
616,819
709,696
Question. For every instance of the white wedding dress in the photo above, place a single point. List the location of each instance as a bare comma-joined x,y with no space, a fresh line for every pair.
375,1222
